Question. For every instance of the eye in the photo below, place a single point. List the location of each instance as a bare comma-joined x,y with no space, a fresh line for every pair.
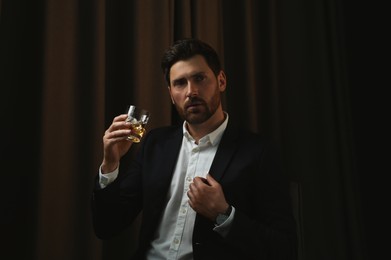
199,77
179,83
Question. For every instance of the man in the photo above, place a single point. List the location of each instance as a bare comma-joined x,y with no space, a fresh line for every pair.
206,189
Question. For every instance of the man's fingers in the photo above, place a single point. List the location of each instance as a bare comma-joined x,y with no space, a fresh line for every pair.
211,180
120,118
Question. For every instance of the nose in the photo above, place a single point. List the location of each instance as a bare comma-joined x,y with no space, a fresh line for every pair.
192,89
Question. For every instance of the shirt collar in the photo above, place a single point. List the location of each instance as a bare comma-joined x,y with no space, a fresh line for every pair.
213,137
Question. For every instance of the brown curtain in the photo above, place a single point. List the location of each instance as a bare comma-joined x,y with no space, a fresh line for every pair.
71,66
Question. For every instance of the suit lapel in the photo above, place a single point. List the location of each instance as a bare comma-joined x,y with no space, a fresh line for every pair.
227,147
160,180
170,151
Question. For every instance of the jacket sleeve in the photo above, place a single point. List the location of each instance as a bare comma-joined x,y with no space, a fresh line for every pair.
116,206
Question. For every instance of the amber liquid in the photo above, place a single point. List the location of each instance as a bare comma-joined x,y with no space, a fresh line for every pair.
138,132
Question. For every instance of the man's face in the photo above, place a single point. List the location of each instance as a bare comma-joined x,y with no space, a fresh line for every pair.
195,90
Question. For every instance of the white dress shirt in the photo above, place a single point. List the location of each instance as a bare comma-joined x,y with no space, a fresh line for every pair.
173,238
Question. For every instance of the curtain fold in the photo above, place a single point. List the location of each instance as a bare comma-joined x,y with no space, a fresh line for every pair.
72,126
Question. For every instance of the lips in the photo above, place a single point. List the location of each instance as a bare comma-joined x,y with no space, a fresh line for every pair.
193,105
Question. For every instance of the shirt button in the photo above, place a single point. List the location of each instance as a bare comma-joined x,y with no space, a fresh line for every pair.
176,241
188,179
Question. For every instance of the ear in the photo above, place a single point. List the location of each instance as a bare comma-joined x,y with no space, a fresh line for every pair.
222,81
169,91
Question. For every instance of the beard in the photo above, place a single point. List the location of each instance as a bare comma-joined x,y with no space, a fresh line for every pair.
197,111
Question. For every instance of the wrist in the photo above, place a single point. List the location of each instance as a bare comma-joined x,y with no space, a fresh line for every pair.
222,217
107,167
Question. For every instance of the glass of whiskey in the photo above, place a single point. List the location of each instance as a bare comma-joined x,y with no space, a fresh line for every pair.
138,118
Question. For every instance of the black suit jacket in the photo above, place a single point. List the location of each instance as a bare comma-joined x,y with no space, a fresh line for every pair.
245,165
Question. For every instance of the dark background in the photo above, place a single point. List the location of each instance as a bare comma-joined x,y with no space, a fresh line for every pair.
365,30
367,59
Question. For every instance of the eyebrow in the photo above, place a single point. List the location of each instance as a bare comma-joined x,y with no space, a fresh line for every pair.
176,81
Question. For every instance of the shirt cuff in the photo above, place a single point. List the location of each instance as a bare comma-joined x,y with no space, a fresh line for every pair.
224,228
107,178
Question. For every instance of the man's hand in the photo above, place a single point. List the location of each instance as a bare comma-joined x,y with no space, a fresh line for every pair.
206,197
115,144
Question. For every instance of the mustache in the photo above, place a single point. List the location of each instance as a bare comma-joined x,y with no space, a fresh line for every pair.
194,101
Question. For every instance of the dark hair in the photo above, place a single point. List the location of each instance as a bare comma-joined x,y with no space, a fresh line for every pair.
185,49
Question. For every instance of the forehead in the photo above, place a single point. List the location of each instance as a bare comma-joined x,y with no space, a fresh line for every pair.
184,68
